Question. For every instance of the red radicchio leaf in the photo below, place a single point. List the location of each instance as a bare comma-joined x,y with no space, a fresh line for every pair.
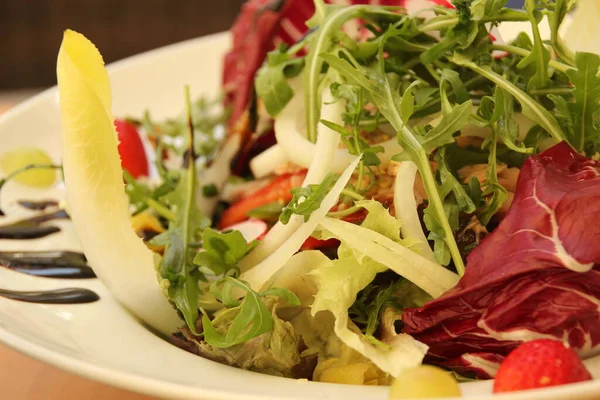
253,33
536,276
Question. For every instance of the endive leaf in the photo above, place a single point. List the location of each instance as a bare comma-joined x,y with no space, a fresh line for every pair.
95,190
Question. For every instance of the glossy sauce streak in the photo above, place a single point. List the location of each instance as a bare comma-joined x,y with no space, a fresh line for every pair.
32,228
59,296
48,264
38,205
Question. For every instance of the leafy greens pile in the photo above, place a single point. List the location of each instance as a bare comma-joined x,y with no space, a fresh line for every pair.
428,86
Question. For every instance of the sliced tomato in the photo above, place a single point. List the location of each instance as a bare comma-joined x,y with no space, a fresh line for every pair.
131,149
278,190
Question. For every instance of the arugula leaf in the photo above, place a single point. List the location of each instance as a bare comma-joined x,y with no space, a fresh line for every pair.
222,251
443,132
450,184
587,96
459,89
208,118
271,80
562,111
177,265
461,35
306,199
561,9
142,197
382,94
535,137
457,157
242,320
504,117
540,56
530,108
455,199
492,186
333,17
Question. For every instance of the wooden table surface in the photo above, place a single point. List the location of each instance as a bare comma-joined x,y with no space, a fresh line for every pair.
23,378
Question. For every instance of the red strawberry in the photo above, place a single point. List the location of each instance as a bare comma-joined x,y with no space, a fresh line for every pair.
537,364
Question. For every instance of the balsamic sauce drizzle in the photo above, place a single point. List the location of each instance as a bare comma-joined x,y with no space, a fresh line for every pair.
32,228
58,296
47,264
38,205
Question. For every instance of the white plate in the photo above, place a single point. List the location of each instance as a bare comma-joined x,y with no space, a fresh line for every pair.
101,340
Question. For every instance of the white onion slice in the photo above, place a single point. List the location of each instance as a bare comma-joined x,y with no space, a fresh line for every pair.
327,143
405,207
429,276
263,272
217,174
292,144
265,163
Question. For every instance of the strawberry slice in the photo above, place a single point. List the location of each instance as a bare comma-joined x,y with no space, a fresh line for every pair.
538,364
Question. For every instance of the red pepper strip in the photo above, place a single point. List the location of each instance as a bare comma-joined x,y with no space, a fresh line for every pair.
278,190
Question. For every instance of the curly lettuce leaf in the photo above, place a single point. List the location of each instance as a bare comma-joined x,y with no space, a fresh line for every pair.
242,320
275,352
339,284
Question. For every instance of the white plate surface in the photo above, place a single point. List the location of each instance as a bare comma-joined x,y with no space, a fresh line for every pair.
101,340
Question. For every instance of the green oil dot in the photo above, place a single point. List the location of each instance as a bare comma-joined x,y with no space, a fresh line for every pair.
20,158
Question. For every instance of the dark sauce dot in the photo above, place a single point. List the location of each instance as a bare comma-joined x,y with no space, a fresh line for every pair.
49,264
38,205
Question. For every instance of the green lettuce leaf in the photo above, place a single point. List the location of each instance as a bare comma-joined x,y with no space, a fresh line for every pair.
275,352
339,284
342,279
222,251
242,320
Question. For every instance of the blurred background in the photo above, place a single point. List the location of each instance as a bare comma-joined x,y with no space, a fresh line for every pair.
31,30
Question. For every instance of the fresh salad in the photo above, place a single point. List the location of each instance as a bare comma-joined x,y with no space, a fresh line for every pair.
378,188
